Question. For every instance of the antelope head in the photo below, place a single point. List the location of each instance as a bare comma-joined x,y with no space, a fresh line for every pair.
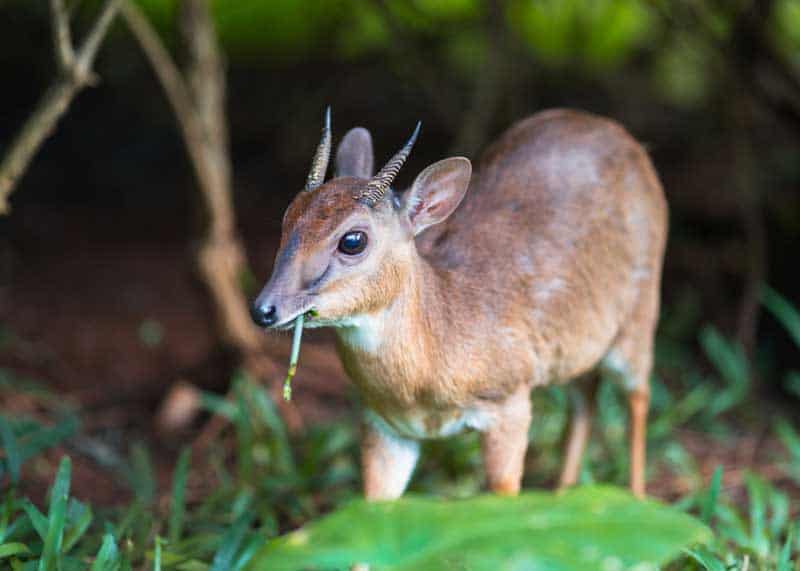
347,244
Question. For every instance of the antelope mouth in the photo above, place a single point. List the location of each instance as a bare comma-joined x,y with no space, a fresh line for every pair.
288,324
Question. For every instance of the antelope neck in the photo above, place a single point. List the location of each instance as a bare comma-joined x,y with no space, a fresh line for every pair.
413,319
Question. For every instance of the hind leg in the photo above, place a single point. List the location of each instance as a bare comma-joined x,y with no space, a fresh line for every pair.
582,394
630,362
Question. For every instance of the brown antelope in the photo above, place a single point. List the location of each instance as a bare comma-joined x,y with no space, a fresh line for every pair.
449,311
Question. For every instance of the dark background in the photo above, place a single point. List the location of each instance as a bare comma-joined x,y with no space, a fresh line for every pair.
98,296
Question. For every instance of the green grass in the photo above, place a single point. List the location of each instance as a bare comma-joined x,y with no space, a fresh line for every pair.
267,484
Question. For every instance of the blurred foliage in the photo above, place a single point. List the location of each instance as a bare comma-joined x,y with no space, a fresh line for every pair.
786,28
679,40
594,35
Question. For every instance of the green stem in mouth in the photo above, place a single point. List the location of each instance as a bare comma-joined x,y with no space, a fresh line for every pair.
298,334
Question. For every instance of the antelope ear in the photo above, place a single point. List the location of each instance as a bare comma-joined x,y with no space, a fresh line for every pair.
354,157
436,192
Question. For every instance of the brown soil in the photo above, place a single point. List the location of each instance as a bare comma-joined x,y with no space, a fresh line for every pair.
78,310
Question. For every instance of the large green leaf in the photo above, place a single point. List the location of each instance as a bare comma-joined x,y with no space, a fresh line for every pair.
585,528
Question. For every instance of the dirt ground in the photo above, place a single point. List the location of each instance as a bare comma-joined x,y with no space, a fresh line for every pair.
110,322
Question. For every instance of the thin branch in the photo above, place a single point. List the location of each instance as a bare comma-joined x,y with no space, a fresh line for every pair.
206,75
74,76
62,37
93,40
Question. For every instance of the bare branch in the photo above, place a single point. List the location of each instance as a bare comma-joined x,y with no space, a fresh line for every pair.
198,100
93,40
75,75
206,75
62,38
172,82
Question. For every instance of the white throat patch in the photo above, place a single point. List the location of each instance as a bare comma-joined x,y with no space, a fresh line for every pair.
362,332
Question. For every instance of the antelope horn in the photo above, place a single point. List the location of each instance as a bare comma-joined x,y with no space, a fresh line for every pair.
379,184
319,165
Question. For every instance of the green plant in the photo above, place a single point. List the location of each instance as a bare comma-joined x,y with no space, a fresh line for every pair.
585,528
267,484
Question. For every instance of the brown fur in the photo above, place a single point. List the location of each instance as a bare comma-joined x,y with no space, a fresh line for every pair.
549,268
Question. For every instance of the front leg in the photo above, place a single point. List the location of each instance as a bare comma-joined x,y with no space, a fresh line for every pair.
505,443
387,462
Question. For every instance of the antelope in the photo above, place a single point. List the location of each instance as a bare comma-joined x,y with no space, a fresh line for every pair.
452,300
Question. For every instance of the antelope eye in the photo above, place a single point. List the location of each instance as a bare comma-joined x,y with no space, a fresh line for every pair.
353,243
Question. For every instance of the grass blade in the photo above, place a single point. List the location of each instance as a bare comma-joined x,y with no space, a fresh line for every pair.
280,438
13,460
47,437
244,433
784,562
731,363
177,510
224,557
783,310
12,549
792,383
108,556
157,556
38,520
758,514
5,517
140,476
705,558
249,550
56,517
218,405
84,516
298,334
710,503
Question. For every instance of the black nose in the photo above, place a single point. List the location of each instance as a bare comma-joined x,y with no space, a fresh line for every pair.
263,317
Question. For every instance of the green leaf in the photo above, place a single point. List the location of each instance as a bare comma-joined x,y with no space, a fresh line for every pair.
707,559
224,557
47,437
11,549
784,559
710,504
37,518
157,556
5,516
584,528
80,516
56,517
756,491
265,408
792,383
13,460
108,557
140,476
218,405
731,363
178,501
244,432
783,311
249,550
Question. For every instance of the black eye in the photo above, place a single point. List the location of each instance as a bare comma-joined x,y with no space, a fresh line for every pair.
353,243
